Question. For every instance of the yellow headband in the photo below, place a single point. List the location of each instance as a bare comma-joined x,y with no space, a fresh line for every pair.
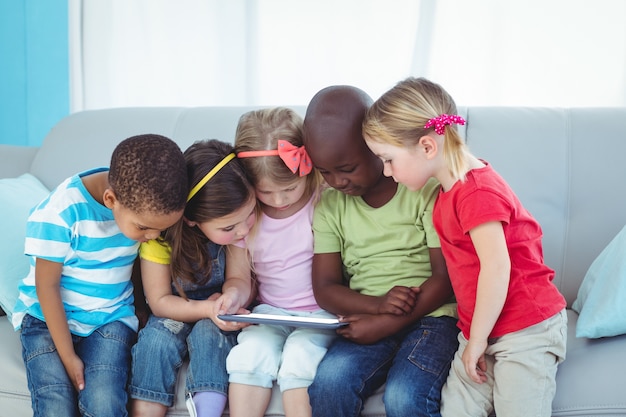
210,175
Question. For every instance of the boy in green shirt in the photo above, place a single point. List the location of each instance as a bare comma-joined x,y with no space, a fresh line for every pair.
402,325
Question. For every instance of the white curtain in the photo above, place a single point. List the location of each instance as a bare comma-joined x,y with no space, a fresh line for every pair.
266,52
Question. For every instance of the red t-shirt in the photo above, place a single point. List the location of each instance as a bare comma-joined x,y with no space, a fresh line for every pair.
484,197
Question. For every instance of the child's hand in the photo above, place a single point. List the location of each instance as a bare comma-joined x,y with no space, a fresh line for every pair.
227,304
474,360
76,371
366,329
399,300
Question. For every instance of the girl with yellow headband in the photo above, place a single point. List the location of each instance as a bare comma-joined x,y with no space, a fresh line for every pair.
269,141
183,273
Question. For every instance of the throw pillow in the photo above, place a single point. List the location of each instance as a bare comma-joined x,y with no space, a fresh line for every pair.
17,197
600,301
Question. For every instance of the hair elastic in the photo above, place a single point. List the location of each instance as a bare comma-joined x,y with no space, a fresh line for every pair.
442,120
210,175
295,157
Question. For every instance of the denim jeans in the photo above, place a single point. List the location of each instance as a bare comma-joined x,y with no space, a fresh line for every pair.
161,349
414,363
106,357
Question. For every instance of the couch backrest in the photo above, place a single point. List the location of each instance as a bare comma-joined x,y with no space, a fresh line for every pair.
92,135
566,165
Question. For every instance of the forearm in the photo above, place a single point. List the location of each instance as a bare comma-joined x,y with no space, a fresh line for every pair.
341,300
490,297
239,290
56,321
493,278
48,287
180,309
434,293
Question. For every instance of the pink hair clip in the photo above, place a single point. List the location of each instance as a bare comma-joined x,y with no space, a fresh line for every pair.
442,120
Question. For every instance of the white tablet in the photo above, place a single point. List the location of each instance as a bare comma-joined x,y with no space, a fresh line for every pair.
295,321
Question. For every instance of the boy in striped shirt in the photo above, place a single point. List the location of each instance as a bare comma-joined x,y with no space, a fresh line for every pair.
75,307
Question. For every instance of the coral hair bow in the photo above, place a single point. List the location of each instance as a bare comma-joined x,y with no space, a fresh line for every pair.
295,157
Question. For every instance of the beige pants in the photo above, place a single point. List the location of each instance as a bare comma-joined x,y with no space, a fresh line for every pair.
521,372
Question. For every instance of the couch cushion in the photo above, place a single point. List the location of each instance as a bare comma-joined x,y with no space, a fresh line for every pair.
600,302
14,394
17,197
590,382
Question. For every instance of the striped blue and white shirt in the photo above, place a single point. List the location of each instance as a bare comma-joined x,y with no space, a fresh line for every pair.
72,228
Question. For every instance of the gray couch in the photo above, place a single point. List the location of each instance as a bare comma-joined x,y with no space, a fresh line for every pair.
566,165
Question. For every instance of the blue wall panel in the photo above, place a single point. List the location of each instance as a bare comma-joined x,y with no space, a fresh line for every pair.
34,69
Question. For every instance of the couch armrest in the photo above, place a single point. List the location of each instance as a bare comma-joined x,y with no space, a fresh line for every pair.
16,160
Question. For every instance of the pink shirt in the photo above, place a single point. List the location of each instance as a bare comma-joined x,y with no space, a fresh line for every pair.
282,253
484,197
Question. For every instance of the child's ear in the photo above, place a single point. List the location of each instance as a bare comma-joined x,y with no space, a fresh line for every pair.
428,146
189,222
109,198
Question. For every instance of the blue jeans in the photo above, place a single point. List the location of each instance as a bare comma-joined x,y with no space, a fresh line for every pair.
106,357
161,349
414,363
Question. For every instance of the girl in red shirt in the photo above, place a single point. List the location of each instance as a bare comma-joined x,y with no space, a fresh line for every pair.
511,315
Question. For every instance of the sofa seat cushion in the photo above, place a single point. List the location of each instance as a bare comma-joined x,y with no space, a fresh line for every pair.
591,378
15,397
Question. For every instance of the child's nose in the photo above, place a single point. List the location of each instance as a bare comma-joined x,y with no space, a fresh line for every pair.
153,234
279,199
336,181
242,231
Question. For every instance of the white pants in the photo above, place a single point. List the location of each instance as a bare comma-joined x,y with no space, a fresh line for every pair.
290,355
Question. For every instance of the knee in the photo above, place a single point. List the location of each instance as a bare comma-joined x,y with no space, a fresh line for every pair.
159,328
332,377
410,400
157,342
103,401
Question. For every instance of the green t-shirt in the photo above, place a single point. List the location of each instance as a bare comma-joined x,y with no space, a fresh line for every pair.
380,247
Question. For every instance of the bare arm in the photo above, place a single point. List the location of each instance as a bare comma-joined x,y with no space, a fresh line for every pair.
237,292
333,295
330,291
157,280
47,283
434,292
142,311
493,284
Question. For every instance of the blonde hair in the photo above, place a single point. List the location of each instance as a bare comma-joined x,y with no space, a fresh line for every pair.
260,130
398,117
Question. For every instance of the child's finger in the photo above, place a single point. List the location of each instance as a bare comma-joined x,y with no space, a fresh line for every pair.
79,382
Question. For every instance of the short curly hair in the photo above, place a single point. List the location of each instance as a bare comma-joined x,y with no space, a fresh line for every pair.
148,174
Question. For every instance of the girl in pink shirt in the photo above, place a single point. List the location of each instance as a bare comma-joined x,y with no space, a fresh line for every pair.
511,315
281,251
